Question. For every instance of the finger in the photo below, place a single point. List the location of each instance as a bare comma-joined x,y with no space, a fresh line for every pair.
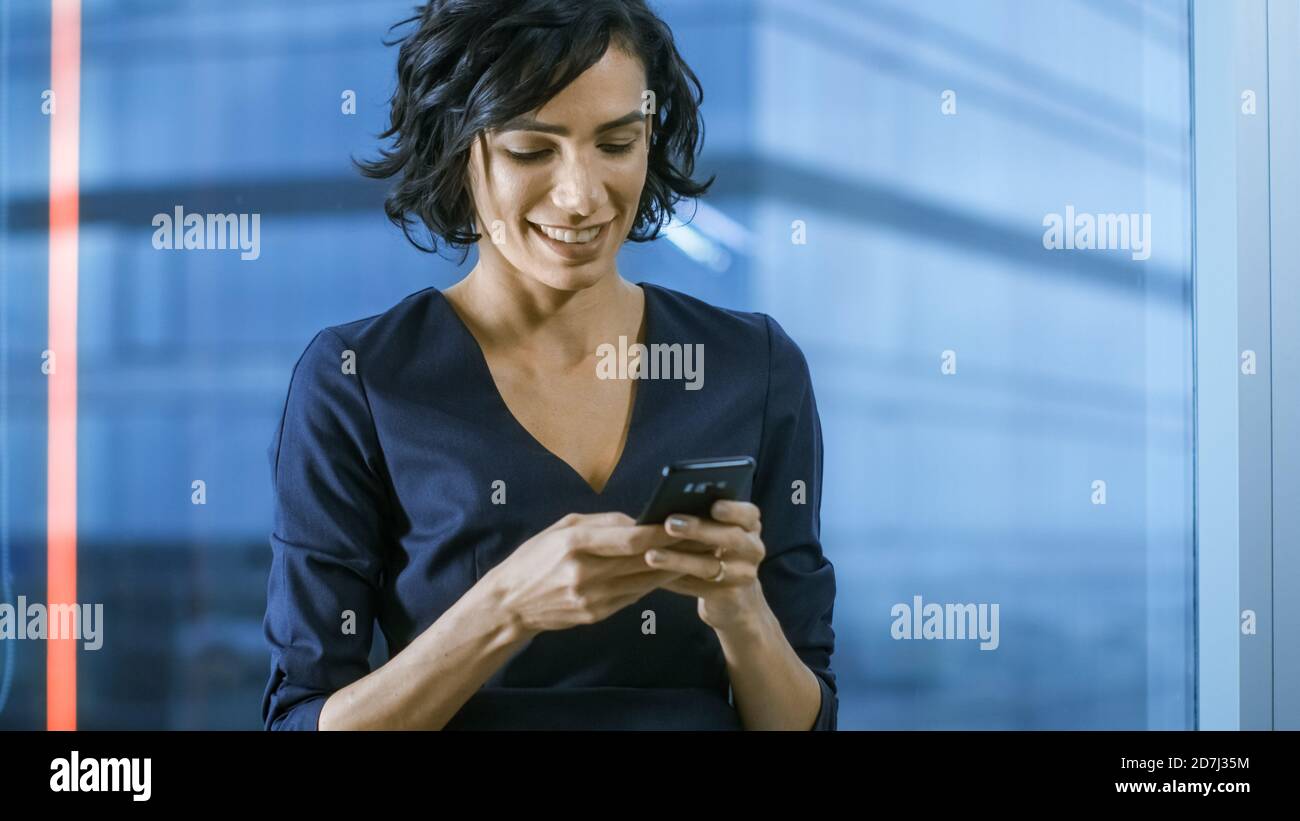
630,540
612,567
688,586
745,514
691,564
688,546
735,540
633,589
626,601
567,520
610,519
644,581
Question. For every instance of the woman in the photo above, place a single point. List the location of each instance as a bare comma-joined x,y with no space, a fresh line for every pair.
457,469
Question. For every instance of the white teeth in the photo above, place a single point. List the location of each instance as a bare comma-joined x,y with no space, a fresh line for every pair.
569,235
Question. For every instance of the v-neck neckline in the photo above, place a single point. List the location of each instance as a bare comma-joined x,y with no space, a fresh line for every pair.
503,407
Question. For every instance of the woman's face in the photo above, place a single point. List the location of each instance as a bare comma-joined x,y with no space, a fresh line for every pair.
576,165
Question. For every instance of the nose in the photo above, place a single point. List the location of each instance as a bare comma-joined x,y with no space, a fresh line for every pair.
578,190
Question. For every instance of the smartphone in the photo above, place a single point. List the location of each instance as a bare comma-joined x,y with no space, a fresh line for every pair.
693,485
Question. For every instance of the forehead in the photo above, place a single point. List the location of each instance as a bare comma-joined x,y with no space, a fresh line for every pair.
607,90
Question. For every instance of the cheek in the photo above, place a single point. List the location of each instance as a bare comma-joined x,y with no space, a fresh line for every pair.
516,190
631,182
507,190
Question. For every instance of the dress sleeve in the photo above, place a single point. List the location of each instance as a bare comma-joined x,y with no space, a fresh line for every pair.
798,581
329,490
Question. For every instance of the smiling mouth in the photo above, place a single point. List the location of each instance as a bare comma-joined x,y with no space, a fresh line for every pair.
569,236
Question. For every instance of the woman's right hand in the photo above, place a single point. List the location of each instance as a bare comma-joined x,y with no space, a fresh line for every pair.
580,570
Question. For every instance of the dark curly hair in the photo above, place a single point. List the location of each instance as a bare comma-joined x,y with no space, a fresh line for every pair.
474,65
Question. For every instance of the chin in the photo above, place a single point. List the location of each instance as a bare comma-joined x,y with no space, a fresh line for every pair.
572,277
544,264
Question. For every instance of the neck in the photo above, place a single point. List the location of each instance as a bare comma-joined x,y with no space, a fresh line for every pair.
518,313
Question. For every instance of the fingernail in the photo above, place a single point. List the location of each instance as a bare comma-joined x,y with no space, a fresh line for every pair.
654,556
676,524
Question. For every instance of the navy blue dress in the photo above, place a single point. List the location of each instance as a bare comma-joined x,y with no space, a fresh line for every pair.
384,481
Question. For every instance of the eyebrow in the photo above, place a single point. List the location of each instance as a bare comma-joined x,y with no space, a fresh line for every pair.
527,123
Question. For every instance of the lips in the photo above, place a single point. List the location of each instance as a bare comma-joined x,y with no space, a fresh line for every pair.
571,236
555,239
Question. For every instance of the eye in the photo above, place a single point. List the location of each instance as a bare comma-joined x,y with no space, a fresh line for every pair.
531,156
617,148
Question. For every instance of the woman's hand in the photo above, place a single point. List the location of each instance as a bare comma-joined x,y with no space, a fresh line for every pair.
580,570
729,545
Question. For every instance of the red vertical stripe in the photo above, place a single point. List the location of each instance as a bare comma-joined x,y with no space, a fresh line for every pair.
61,505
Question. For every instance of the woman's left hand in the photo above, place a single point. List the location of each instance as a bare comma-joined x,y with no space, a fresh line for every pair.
729,545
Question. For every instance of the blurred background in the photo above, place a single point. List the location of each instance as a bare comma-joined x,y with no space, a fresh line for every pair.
921,144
